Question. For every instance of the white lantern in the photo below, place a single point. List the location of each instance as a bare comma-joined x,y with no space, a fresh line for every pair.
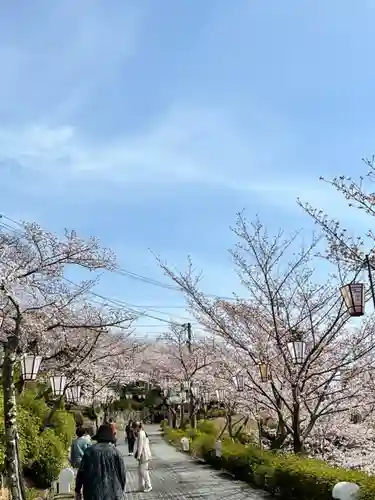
58,384
69,395
239,382
128,395
297,350
354,298
186,385
30,366
73,393
195,391
220,394
206,397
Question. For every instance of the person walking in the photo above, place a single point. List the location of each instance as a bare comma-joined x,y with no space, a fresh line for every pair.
102,474
143,455
130,436
78,447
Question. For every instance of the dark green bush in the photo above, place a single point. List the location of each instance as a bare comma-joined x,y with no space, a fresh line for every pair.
207,427
64,426
287,476
43,452
52,456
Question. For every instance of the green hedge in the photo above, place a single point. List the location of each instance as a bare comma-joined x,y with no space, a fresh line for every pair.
287,476
45,453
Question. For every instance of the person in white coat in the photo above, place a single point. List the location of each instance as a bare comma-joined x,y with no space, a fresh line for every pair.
143,455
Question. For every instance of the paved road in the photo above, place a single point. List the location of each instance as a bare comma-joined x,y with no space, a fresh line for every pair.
175,475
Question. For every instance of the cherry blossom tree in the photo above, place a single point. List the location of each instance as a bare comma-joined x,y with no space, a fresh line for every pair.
292,326
343,245
184,365
93,358
38,303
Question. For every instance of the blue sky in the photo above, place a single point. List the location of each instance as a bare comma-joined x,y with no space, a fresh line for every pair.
151,123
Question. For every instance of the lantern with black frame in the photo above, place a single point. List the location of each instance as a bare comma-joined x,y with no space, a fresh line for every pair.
297,347
239,382
73,394
353,294
265,372
220,395
58,385
30,366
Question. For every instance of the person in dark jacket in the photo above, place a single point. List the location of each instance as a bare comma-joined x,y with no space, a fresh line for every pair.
102,474
130,436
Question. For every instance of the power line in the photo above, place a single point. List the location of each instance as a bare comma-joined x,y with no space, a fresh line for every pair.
127,273
120,303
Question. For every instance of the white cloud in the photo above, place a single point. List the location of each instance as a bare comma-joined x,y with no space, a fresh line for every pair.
188,146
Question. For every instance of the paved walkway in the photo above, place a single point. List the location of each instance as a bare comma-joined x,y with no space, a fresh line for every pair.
175,475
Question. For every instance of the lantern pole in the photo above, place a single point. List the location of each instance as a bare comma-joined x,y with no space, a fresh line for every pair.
370,278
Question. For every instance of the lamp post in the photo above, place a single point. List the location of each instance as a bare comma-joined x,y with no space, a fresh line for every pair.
30,365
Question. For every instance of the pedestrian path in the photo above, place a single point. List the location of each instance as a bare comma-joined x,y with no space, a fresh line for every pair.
175,475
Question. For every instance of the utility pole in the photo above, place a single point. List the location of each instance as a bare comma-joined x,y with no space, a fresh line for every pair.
191,396
188,326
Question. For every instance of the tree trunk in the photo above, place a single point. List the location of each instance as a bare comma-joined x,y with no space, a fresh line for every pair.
230,424
12,459
182,423
173,418
297,438
48,420
192,414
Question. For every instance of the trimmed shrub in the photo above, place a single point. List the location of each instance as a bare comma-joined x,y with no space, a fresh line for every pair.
207,427
287,476
43,453
64,426
52,456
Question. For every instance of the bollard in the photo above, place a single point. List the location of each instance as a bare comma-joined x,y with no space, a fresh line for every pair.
185,444
218,448
345,491
65,481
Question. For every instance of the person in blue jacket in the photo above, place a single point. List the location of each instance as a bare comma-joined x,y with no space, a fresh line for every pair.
78,447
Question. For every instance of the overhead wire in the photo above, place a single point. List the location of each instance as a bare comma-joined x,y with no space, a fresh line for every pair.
123,272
